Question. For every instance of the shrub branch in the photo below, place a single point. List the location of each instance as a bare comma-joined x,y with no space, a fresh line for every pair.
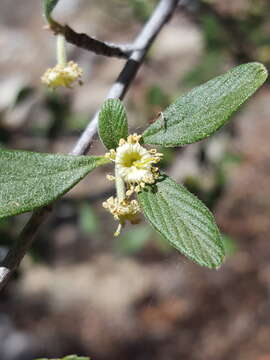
144,40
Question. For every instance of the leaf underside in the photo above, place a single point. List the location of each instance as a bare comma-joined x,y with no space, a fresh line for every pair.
48,6
183,220
30,180
202,111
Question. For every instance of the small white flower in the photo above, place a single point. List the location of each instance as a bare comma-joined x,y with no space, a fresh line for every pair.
62,75
125,210
134,163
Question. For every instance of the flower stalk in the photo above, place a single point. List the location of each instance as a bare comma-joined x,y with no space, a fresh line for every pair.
61,52
120,186
65,73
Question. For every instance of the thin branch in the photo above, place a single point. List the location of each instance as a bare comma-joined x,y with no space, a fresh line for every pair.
23,243
144,40
99,47
89,43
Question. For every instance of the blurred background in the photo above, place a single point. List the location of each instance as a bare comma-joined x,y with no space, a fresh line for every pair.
82,291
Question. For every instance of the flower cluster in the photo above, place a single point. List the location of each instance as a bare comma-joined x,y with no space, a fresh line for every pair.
62,75
125,210
135,165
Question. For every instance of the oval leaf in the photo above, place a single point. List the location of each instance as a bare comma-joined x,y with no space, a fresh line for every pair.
113,124
206,108
30,180
183,220
48,6
70,357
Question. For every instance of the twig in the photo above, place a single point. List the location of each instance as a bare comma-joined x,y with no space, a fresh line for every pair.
89,43
23,243
99,47
144,40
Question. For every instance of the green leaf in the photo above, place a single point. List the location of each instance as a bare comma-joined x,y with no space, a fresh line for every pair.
70,357
48,6
183,220
30,180
206,108
113,124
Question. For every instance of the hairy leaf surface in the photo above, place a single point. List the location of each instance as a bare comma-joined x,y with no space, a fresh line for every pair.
113,124
30,180
183,220
206,108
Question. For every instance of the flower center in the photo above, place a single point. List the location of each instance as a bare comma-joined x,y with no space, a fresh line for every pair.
130,159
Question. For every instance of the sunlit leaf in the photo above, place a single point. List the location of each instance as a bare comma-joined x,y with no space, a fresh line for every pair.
182,219
206,108
113,124
30,180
